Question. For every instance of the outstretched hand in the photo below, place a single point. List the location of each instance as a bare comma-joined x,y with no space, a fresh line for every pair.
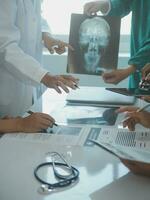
133,117
114,77
35,122
137,167
61,81
54,45
91,8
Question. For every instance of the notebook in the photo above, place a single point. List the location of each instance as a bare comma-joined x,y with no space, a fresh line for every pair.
98,96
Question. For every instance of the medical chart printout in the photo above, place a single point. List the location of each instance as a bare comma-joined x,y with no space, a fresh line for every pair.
132,145
77,135
82,134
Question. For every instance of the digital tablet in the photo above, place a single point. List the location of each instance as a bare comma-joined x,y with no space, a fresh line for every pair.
130,91
98,96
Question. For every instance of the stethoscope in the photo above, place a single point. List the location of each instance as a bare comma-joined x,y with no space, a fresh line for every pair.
63,180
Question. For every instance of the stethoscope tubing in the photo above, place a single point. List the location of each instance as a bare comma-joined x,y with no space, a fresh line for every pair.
64,181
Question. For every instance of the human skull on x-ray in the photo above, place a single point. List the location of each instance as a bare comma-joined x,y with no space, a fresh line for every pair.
94,37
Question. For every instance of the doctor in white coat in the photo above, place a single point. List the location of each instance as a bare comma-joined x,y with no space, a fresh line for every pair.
21,40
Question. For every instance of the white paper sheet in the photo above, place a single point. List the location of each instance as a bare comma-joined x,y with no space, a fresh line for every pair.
126,144
62,135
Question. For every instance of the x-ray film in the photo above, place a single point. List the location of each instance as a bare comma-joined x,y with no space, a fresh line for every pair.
96,44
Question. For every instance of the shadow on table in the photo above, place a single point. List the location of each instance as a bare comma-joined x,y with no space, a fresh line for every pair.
127,187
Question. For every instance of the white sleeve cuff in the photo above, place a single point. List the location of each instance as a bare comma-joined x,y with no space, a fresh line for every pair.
40,73
45,27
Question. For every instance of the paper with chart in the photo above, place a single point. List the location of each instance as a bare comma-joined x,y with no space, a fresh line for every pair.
133,145
70,135
125,144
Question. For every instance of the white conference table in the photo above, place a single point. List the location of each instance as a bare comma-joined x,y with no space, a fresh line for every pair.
102,176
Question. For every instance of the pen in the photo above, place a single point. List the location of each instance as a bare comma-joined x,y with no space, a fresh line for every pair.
31,112
76,86
139,110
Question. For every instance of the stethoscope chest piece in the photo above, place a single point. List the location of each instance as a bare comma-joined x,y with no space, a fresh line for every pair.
44,189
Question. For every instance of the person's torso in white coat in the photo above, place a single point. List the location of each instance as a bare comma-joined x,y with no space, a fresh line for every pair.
21,50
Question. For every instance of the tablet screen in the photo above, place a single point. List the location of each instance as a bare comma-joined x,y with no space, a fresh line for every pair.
129,92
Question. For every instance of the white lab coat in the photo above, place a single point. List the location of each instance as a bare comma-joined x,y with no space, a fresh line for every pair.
20,54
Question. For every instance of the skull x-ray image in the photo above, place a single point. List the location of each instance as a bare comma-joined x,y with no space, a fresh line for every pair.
96,43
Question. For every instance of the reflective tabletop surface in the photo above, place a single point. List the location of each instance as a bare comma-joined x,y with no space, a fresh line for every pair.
102,176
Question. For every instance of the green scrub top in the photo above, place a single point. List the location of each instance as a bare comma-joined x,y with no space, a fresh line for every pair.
140,33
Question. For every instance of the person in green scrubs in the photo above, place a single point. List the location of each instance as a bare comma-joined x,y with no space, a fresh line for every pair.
140,35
